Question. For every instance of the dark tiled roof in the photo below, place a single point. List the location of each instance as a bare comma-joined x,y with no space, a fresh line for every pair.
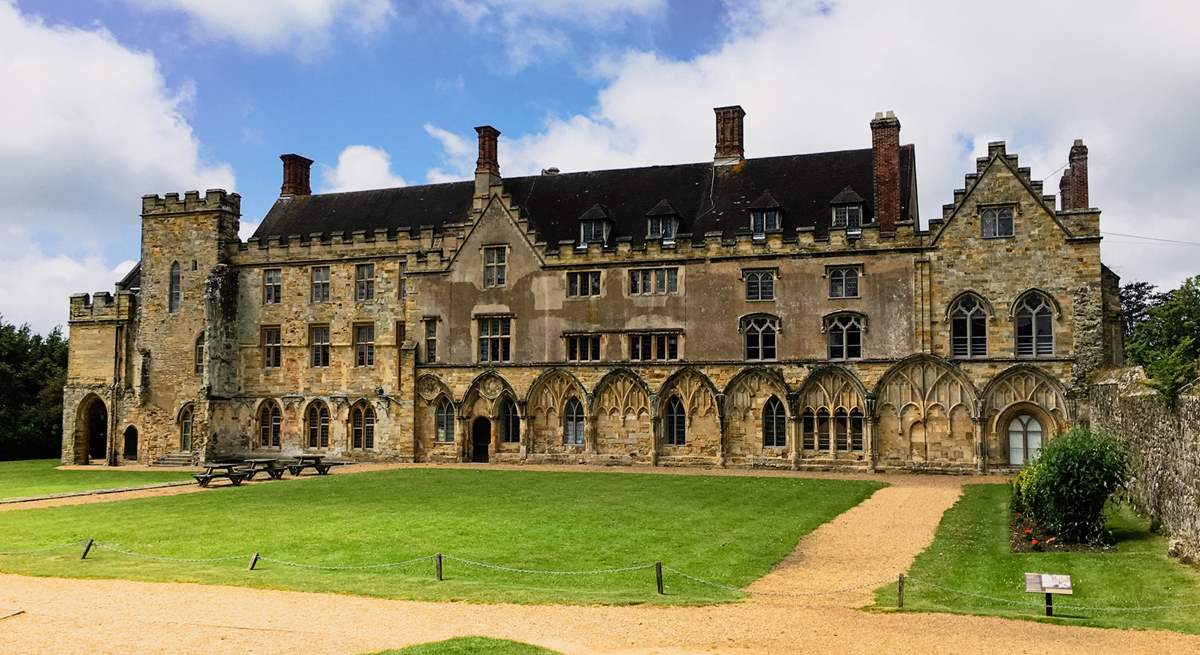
848,196
707,198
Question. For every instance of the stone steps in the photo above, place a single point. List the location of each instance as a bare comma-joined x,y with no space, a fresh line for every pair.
173,459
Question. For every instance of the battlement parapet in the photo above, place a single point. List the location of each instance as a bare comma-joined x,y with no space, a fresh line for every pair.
101,306
192,201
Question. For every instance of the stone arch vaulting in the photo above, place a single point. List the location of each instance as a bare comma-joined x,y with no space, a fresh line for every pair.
701,404
745,398
925,414
1022,389
623,420
825,404
545,404
483,400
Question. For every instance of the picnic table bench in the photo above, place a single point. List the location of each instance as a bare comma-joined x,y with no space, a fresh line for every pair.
231,471
314,462
269,465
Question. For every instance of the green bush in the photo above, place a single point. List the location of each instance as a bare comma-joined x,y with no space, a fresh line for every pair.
1068,485
1020,485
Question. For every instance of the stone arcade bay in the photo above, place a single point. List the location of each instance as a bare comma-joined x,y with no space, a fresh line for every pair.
774,312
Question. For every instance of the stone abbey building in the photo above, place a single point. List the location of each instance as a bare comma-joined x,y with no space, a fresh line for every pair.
781,311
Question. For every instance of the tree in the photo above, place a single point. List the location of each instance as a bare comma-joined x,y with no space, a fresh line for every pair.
33,370
1137,299
1167,343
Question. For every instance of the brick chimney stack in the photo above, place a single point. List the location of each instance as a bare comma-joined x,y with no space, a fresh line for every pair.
885,168
487,165
296,171
730,143
1073,185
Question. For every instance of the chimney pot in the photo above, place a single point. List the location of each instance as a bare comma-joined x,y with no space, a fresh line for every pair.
885,170
296,171
488,161
730,136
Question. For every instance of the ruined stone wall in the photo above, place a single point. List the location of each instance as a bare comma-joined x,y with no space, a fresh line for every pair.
1164,439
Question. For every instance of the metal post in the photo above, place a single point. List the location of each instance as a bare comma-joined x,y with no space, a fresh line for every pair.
900,591
87,548
253,561
658,576
437,559
1049,604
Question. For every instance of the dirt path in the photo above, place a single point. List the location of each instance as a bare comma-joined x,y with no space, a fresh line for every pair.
872,541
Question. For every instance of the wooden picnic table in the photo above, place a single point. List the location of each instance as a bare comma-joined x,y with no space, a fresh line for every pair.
269,465
314,462
229,470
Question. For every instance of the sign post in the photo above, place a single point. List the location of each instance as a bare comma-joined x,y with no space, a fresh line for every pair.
1048,584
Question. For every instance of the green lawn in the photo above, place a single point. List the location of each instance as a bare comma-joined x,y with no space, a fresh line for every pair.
971,553
728,529
38,477
471,646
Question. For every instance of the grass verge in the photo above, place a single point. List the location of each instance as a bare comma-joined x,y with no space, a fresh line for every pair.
38,477
971,554
727,529
471,646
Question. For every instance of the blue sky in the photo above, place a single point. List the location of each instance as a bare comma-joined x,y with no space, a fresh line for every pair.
117,98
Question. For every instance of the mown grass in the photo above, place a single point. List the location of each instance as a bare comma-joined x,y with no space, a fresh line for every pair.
728,529
971,553
38,477
471,646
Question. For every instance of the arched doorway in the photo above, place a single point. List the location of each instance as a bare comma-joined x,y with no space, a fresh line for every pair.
481,439
130,449
1024,439
96,425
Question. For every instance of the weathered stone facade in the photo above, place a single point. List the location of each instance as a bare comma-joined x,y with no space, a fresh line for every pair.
207,368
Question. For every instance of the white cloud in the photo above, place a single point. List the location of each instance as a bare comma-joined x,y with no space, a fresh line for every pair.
295,25
530,29
87,126
457,156
811,74
44,305
359,168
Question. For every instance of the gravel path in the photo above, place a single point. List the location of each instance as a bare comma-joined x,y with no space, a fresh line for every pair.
872,541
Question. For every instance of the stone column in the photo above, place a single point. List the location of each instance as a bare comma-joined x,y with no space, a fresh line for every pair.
721,421
526,430
977,421
793,403
869,426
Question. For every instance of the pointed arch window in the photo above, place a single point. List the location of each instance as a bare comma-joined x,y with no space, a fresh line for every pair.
774,424
823,429
443,430
676,428
760,334
173,289
573,422
968,328
856,430
198,355
270,420
808,428
510,422
1024,440
185,428
316,422
844,332
362,427
1035,326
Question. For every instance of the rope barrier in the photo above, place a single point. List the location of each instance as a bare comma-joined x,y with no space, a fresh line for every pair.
603,571
498,567
348,567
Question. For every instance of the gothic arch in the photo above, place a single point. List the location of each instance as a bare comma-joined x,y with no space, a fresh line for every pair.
832,386
1012,307
430,386
544,406
555,385
689,382
622,415
1025,384
484,394
983,302
757,382
925,413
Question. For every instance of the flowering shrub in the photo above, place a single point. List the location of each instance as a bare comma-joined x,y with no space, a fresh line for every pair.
1066,488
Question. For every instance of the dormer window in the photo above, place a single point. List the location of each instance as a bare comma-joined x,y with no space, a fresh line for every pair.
763,221
847,211
591,231
849,217
660,227
594,225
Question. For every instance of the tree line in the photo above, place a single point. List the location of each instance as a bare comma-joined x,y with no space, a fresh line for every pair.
33,369
1162,333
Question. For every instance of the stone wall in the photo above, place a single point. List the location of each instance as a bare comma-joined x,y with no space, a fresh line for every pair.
1165,441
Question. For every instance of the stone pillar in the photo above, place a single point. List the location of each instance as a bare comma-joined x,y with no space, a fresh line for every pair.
869,426
721,421
526,430
793,404
981,450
